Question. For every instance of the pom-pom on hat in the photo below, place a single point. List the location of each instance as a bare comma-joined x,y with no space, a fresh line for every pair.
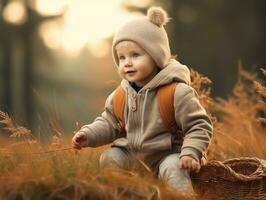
149,33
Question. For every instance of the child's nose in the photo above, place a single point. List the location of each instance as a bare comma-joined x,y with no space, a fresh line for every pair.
128,62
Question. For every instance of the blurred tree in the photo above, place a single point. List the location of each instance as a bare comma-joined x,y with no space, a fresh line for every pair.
12,37
6,61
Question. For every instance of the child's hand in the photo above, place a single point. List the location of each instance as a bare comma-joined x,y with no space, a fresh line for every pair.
79,140
187,162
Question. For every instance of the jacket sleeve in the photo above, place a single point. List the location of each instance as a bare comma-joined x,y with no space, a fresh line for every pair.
192,118
103,130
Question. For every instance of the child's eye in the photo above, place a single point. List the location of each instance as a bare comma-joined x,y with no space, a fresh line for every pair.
121,57
135,55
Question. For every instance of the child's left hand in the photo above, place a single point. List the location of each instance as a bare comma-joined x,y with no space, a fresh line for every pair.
187,162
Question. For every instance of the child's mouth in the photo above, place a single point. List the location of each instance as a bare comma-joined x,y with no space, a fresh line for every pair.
130,72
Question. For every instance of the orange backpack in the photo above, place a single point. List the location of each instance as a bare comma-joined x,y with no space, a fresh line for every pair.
165,96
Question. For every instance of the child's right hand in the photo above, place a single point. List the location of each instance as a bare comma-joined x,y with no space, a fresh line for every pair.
79,140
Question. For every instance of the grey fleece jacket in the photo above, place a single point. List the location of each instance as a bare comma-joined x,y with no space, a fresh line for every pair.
146,132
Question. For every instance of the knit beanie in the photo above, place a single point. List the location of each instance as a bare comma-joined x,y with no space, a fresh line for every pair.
149,33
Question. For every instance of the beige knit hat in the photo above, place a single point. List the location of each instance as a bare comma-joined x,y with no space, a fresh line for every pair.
149,33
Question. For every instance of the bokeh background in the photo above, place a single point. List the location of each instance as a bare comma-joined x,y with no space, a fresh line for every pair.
56,67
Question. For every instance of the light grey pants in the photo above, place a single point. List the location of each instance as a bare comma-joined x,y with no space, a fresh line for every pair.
168,170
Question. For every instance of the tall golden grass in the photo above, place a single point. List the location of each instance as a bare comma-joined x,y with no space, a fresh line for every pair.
30,170
240,125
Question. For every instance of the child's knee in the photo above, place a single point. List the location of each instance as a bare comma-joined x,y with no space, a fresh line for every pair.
170,172
169,167
113,156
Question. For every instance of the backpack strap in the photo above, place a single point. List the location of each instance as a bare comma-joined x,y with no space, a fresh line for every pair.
119,107
165,96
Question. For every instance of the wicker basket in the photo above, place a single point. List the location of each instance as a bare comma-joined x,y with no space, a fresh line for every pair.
238,178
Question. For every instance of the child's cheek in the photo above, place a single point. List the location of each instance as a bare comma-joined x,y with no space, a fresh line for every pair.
121,72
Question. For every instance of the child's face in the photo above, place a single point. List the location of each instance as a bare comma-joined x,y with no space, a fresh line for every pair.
135,64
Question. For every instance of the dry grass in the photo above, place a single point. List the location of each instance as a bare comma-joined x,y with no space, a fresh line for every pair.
29,170
240,128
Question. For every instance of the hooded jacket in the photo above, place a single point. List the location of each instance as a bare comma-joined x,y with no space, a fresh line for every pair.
146,133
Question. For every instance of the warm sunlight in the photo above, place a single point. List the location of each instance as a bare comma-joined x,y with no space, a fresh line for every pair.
85,24
15,13
50,7
50,33
99,48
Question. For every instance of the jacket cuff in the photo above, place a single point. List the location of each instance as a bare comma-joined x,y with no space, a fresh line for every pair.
191,152
90,137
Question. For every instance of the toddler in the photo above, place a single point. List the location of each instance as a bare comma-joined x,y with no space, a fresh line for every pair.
143,57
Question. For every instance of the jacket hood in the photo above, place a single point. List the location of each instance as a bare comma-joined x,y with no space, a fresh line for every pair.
173,72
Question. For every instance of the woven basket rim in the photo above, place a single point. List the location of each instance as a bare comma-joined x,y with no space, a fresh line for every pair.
222,170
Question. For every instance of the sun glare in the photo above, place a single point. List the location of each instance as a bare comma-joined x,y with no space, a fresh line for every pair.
50,7
86,24
99,49
15,13
51,34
